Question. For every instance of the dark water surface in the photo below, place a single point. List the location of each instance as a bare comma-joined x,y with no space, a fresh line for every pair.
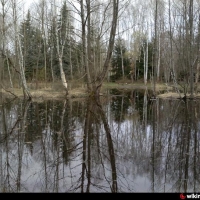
123,143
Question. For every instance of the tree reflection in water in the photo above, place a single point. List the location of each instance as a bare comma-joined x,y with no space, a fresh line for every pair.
121,143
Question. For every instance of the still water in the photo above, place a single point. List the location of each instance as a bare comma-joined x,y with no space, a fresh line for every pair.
124,142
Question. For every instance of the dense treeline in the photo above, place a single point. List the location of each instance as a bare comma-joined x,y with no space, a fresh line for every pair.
100,40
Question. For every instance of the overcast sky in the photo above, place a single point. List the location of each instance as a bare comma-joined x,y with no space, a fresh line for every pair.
29,2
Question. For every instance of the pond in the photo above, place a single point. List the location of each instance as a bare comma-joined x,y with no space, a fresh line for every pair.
124,142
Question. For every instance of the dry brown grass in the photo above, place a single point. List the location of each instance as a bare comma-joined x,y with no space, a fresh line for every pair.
78,90
45,93
136,85
173,95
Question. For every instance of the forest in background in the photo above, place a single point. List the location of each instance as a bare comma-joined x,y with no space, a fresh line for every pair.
154,41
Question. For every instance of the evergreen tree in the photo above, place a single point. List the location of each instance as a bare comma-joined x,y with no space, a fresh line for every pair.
52,54
65,36
32,48
120,52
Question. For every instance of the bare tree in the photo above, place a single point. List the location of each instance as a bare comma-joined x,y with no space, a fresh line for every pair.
94,84
102,75
5,4
191,65
60,49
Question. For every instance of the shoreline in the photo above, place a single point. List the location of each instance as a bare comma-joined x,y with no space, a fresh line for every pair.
81,92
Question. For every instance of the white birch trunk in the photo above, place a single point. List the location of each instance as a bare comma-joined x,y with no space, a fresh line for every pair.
62,73
122,63
146,64
158,66
60,52
22,74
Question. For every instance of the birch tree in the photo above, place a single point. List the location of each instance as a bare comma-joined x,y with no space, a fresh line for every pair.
20,56
60,49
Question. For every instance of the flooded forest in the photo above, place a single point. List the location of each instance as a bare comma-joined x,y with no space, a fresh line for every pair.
99,96
123,143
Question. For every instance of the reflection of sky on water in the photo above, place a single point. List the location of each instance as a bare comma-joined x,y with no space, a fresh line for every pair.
43,168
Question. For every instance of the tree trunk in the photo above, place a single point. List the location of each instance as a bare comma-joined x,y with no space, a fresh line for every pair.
102,75
60,49
62,73
190,49
171,52
197,77
22,74
83,23
155,49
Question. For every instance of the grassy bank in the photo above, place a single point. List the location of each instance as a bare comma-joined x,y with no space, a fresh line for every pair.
44,93
136,85
78,90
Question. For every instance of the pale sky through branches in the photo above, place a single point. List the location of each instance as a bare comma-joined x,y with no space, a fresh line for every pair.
27,3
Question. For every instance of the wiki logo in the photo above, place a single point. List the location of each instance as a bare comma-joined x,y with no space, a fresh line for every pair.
189,196
182,196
